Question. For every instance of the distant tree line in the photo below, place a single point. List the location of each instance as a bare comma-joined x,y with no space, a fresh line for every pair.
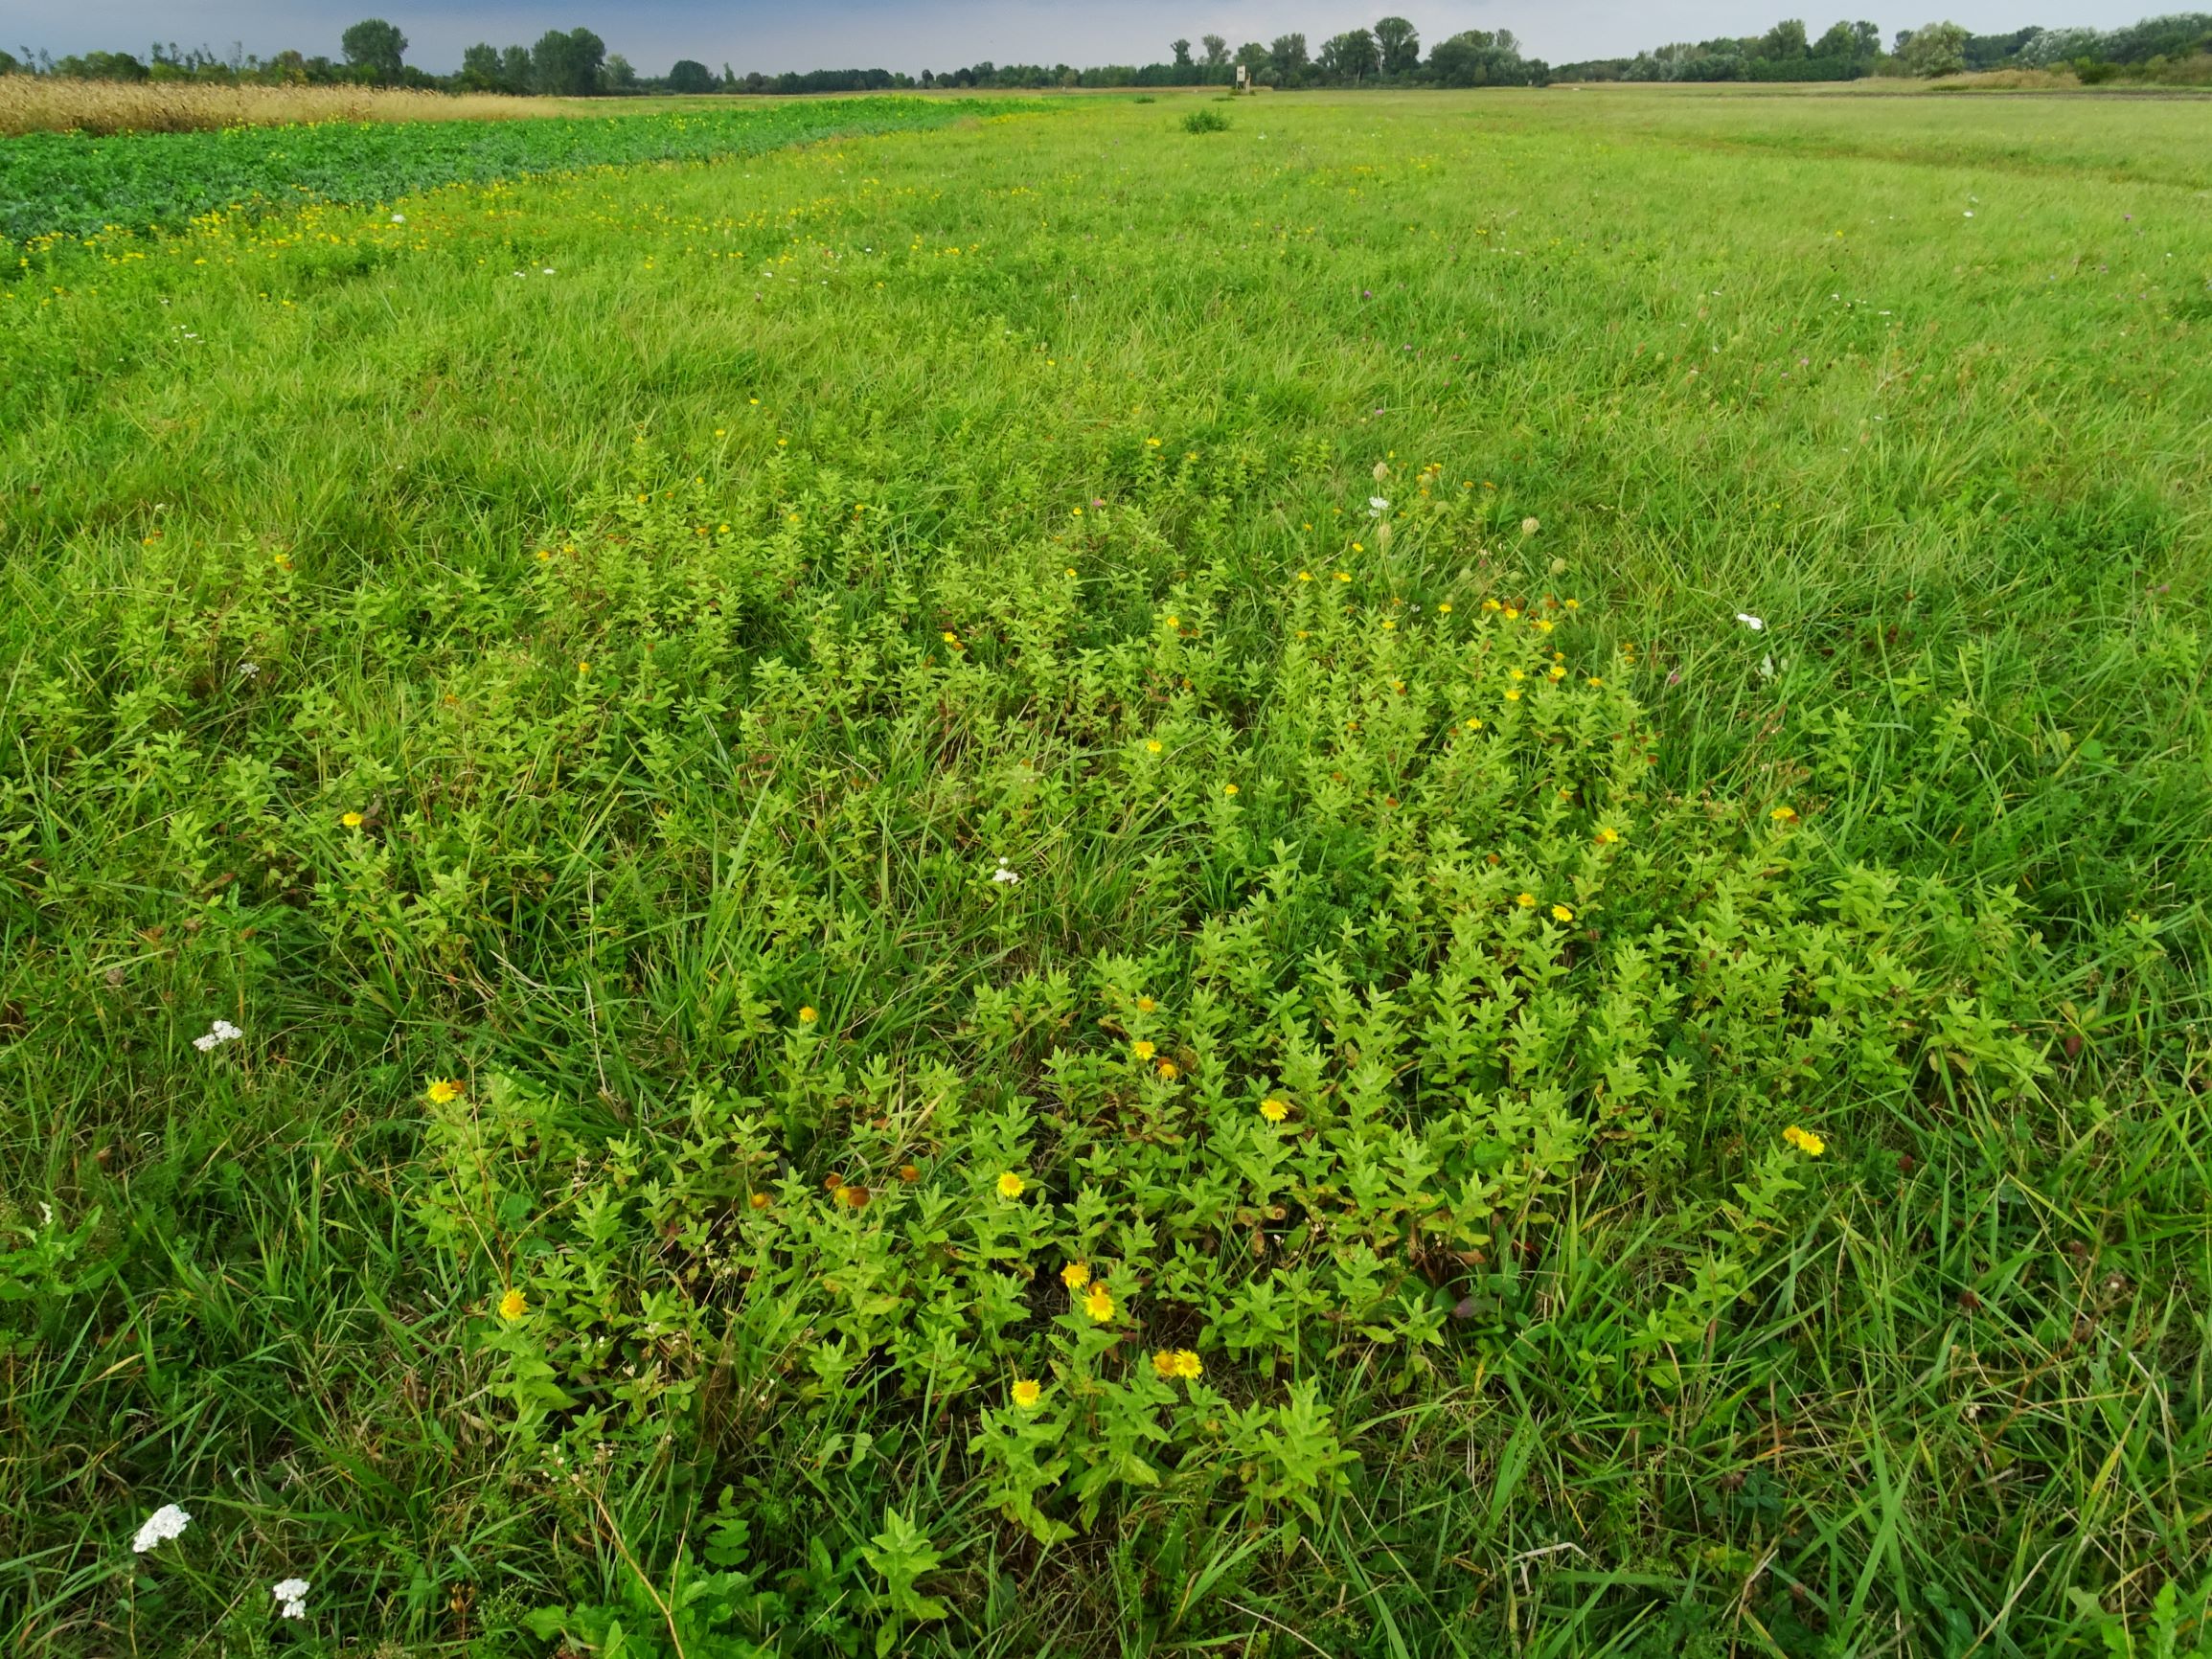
2177,47
576,62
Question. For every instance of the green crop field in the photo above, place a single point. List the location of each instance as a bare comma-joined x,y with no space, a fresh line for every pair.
1423,878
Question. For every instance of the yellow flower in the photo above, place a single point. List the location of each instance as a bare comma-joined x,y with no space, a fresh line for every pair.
1542,624
1027,1392
1474,725
1168,1364
1229,789
1607,835
351,820
583,668
1010,1185
1490,604
1305,576
1445,609
1188,1365
950,637
1075,1275
807,1016
761,1200
1594,681
1526,901
1805,1140
1152,746
1514,675
1783,815
1144,1051
513,1306
1513,693
1561,912
443,1089
1146,1005
1343,576
1274,1110
1097,1305
1572,603
1167,1071
1554,673
1357,548
1511,613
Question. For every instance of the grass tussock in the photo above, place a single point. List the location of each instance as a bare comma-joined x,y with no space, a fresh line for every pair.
50,103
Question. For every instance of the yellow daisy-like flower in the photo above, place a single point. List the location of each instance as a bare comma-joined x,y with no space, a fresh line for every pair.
1188,1365
1526,901
1490,604
1444,609
950,637
1098,1304
1474,725
351,820
1274,1110
1010,1185
1343,576
1513,693
1152,745
1229,789
1511,613
1167,1364
1593,680
1144,1051
1554,673
583,668
513,1306
1514,675
1607,835
1784,815
1805,1140
1146,1005
1027,1392
1561,912
1075,1275
442,1090
1572,603
807,1016
1167,1070
1542,624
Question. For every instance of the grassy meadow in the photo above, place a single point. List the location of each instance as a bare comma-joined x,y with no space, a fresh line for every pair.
1422,880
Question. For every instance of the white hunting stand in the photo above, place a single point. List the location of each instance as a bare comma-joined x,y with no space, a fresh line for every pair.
1243,77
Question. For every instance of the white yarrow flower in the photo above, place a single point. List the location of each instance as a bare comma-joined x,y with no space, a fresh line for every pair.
399,219
1378,506
1003,876
165,1523
1754,624
220,1033
291,1596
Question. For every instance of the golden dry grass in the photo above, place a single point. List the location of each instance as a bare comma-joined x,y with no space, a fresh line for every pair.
50,103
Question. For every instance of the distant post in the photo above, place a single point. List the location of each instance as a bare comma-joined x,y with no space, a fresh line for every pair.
1243,77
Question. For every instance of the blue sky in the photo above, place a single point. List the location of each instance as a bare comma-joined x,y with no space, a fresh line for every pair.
914,35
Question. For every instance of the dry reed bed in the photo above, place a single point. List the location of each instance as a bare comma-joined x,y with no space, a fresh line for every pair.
50,103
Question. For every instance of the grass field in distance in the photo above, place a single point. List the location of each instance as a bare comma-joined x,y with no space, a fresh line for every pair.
1427,879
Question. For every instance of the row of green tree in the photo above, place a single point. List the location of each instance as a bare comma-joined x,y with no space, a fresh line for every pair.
2176,46
576,63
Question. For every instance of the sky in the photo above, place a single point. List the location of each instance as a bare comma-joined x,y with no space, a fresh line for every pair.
916,34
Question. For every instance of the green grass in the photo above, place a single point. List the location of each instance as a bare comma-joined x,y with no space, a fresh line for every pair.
596,540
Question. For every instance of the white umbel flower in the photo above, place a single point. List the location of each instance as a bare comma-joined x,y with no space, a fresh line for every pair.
1003,876
291,1596
219,1034
1378,506
1753,623
163,1523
